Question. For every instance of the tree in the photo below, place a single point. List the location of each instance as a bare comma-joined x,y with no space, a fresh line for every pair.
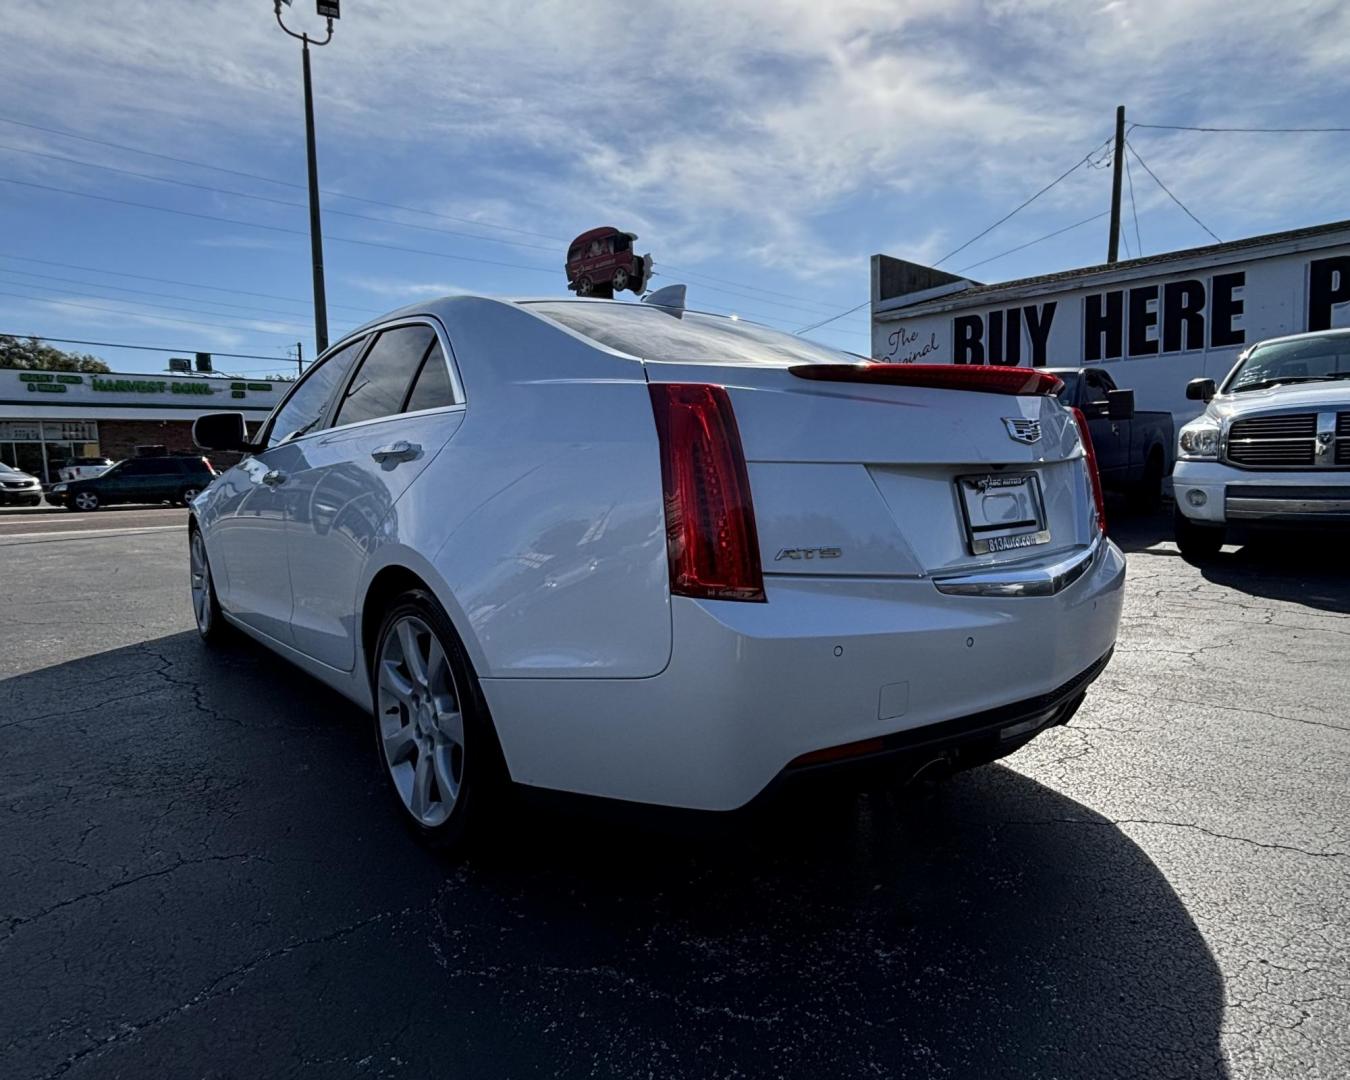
30,354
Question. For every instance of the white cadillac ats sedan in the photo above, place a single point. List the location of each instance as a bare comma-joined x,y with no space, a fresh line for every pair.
639,552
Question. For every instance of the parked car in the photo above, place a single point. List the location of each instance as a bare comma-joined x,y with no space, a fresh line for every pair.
84,468
1134,448
18,488
1272,448
170,478
602,262
655,555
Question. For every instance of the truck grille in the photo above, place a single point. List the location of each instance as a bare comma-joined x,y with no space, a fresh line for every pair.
1288,441
1343,438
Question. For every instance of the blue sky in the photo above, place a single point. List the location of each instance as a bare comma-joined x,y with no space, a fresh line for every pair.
765,149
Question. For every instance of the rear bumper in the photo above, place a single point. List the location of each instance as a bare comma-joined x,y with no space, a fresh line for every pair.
751,688
954,744
1246,498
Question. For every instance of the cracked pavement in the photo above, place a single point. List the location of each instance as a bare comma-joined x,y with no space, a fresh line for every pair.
203,876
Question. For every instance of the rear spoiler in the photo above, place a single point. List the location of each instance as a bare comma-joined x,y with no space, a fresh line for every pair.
987,380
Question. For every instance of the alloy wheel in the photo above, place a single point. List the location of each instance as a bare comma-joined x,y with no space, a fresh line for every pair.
86,500
421,727
200,582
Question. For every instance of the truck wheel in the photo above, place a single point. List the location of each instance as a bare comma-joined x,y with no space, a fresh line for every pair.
1197,543
1147,494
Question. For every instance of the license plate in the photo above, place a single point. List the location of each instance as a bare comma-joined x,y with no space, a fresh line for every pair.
1003,511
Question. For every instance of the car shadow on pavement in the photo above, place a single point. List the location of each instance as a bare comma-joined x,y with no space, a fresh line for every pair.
1133,531
207,833
1307,568
1299,568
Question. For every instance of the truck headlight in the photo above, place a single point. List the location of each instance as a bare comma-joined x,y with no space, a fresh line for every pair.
1199,440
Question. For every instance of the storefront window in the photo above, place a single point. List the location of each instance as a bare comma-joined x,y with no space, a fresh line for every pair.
44,447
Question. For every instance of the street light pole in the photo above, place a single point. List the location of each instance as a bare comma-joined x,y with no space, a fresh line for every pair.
315,227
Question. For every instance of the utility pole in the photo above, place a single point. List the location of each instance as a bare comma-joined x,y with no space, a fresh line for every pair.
299,358
1117,168
328,9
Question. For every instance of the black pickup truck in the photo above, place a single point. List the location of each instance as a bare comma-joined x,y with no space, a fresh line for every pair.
1134,449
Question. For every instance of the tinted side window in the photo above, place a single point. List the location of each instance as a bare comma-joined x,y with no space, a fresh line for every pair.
305,408
432,389
149,467
380,385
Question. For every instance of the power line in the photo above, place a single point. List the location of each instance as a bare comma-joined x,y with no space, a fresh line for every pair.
735,288
276,228
142,348
1029,243
162,307
174,281
268,199
1169,193
739,287
135,314
667,269
1134,209
832,318
1022,206
151,292
1249,130
271,179
365,217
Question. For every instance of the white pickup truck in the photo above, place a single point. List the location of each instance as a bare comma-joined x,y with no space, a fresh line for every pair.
1272,448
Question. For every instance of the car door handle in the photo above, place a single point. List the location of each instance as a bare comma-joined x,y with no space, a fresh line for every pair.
396,451
273,478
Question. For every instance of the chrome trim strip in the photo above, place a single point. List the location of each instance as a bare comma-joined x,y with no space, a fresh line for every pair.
1022,581
1253,509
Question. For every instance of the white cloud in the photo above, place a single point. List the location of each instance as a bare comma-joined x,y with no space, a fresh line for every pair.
396,288
735,128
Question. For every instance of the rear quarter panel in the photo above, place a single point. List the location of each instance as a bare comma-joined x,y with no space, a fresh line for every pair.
543,516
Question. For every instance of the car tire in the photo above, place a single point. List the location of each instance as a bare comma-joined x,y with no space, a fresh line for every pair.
1197,543
620,280
84,500
585,286
211,625
187,495
433,735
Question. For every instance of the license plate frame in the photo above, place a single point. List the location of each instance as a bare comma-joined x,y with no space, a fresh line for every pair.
1012,523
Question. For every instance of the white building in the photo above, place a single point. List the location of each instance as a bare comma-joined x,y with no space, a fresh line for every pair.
1158,322
51,418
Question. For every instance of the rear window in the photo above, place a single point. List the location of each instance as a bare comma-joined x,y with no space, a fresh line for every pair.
655,333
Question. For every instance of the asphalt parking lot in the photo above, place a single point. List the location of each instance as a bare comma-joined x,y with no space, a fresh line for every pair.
202,876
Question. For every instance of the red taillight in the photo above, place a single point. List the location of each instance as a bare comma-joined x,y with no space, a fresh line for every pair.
988,380
209,467
710,522
1091,455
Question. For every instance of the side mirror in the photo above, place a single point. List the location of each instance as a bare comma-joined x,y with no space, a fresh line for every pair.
1120,404
221,431
1200,390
